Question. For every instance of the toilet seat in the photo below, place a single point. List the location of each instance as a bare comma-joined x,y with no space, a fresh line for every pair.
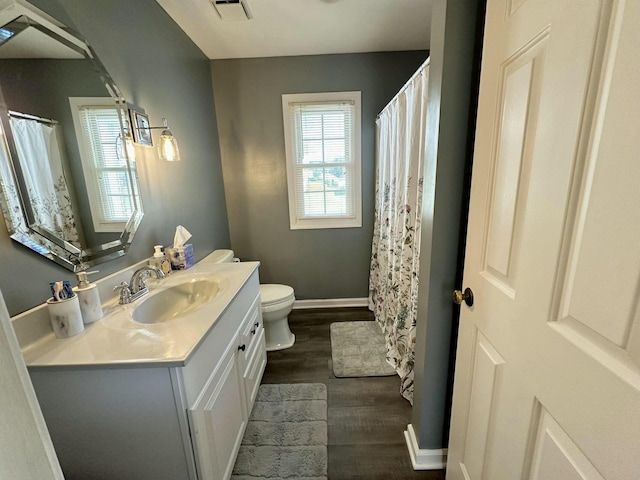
273,295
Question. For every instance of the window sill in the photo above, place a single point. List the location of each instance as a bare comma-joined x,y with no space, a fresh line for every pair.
324,223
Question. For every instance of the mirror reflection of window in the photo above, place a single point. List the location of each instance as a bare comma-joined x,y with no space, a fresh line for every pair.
109,186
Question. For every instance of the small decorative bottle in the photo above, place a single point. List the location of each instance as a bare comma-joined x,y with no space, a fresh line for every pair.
89,298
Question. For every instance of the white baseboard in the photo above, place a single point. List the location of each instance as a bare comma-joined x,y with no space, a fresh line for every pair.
423,459
331,303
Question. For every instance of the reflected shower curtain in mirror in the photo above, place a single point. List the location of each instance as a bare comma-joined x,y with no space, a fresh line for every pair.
12,211
393,279
41,164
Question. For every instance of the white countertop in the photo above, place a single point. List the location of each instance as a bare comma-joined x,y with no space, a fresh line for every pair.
116,341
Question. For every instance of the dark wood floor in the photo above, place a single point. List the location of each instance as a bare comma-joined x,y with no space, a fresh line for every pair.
367,416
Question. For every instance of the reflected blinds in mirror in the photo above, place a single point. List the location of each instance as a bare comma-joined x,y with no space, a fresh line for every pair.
111,197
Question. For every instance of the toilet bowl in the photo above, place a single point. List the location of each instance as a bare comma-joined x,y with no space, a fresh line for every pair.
276,303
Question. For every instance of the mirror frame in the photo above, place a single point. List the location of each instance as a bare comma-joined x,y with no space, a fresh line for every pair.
40,240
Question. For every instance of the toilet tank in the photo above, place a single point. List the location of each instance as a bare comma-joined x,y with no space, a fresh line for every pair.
218,256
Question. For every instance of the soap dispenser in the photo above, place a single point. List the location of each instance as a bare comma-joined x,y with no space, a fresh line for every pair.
160,260
89,298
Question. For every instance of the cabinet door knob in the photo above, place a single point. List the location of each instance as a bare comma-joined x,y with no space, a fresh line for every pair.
242,347
253,332
257,324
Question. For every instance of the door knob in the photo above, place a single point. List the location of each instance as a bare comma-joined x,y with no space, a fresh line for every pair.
466,297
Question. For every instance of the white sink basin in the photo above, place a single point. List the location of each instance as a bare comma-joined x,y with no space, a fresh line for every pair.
177,301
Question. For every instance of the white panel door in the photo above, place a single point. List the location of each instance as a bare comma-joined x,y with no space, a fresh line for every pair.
547,379
26,450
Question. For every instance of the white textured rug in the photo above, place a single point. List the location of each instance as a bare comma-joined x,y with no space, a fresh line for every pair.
358,350
286,437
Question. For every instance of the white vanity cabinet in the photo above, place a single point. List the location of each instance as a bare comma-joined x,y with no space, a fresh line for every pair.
218,416
160,421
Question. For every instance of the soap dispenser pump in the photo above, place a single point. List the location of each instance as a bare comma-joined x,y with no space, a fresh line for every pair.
89,298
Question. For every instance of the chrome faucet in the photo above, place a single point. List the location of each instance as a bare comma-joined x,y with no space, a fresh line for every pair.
138,287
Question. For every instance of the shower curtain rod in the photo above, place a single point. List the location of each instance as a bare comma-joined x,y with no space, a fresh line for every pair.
404,87
26,116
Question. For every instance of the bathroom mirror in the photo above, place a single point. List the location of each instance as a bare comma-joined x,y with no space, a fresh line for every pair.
69,187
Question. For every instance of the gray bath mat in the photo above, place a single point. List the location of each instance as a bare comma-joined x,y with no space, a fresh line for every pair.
358,350
286,437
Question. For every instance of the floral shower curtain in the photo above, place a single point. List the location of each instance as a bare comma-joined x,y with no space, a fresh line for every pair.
393,278
12,210
41,164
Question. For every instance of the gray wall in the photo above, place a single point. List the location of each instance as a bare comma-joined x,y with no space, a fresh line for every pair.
330,263
451,103
157,67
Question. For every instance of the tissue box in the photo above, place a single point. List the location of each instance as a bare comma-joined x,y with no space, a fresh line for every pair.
181,257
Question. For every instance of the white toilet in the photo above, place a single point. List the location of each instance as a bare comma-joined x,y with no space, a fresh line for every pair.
277,302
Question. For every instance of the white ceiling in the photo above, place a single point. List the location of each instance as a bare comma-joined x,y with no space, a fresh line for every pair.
305,27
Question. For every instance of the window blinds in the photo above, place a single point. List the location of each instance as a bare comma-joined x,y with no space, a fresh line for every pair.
112,187
324,168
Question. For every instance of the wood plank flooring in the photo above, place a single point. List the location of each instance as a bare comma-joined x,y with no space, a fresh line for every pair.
367,416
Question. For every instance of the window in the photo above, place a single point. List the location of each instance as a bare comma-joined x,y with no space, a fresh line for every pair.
109,186
322,140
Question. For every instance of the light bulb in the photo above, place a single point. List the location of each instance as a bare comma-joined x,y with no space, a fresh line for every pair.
168,147
125,148
130,148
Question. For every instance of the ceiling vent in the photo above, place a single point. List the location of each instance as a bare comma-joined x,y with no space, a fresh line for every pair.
232,10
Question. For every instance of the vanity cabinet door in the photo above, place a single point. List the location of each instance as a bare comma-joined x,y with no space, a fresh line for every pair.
254,369
219,417
254,355
251,327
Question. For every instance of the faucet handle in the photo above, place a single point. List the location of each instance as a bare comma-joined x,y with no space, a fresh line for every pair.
125,293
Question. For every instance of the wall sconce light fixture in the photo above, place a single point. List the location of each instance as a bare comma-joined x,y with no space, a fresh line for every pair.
167,146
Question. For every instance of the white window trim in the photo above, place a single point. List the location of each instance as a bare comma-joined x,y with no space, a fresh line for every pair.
296,223
76,103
